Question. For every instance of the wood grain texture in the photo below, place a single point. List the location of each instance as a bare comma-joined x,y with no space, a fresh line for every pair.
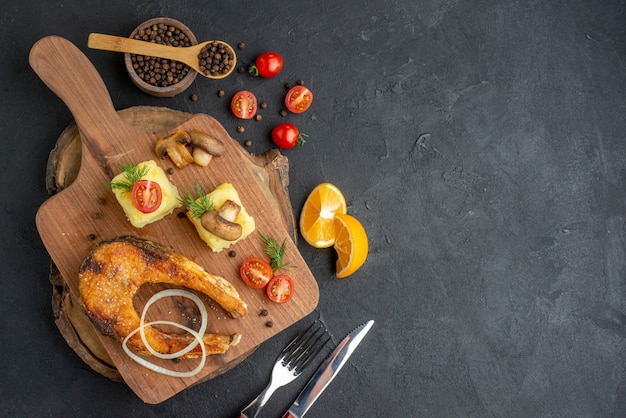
271,171
187,55
73,220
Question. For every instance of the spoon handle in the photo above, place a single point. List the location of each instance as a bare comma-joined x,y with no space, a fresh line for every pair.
134,46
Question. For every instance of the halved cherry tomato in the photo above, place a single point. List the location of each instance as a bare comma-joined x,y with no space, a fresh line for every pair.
286,136
298,99
280,288
256,272
267,65
146,196
243,104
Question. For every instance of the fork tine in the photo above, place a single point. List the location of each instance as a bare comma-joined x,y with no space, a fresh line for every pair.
315,353
309,345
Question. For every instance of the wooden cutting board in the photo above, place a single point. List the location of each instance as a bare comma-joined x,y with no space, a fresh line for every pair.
271,172
71,222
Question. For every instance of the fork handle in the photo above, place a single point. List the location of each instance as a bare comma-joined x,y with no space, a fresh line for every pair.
252,410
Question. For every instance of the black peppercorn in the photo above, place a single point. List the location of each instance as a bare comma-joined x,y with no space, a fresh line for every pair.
156,71
216,59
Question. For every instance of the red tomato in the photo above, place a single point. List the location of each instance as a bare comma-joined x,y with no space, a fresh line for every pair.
243,104
298,99
267,65
256,272
287,136
147,196
280,288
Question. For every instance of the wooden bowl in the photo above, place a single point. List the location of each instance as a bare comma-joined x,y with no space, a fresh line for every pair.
171,89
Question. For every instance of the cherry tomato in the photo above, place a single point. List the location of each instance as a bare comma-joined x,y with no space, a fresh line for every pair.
298,99
243,104
287,136
146,196
256,272
267,65
280,288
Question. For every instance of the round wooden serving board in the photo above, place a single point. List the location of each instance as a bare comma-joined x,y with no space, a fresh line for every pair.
85,212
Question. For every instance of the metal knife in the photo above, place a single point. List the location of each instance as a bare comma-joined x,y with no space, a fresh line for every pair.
327,371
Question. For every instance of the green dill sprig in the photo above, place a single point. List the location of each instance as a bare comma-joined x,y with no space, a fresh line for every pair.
132,174
197,206
275,251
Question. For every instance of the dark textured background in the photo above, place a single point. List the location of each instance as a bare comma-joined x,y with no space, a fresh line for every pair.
482,145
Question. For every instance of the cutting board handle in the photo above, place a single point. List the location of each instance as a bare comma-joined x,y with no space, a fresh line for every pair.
72,77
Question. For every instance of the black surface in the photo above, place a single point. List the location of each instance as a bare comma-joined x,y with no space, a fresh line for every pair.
482,145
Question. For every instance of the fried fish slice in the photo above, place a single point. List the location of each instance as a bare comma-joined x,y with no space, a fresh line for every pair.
114,271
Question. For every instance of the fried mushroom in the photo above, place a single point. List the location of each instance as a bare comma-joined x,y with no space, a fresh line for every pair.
174,146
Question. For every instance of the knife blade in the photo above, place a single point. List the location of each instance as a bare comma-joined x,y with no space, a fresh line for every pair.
327,371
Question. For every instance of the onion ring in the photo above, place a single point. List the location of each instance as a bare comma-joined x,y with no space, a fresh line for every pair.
196,334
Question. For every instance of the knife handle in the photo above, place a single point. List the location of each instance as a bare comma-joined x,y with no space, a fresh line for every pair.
289,415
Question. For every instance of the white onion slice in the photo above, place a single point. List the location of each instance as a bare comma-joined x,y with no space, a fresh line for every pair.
196,334
170,293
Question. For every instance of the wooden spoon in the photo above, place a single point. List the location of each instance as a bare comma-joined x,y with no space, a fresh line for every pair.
187,55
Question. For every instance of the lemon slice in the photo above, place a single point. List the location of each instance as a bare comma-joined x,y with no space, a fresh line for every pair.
317,219
351,245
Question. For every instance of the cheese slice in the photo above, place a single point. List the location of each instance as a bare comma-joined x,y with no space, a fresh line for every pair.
170,200
218,196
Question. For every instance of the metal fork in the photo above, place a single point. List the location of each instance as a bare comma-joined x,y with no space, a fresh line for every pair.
289,365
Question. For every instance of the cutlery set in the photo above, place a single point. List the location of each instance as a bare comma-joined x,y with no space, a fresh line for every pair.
296,356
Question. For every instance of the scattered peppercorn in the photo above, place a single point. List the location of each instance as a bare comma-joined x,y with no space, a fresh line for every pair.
216,59
241,45
248,143
283,112
92,237
241,70
300,82
194,97
263,105
170,170
232,253
97,215
181,214
258,117
102,201
288,86
156,71
269,324
264,312
220,93
240,129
